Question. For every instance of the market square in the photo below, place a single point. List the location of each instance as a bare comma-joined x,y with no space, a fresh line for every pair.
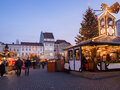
53,52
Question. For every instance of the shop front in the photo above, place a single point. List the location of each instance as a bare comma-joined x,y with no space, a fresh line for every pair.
102,57
98,54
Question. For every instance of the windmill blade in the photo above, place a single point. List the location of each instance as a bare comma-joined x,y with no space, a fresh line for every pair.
104,6
114,8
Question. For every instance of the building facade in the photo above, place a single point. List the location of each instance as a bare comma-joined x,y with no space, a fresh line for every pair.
47,39
59,46
24,49
47,48
118,27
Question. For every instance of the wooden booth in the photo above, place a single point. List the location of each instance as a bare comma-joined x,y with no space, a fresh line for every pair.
99,53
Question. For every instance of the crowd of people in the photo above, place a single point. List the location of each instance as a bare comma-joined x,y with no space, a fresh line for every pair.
19,65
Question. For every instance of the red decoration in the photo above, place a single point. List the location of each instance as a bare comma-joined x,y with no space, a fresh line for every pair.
90,10
93,27
90,18
83,33
85,15
87,27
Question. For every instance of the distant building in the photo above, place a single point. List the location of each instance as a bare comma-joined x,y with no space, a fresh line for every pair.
25,48
28,48
118,27
59,46
47,48
1,46
47,39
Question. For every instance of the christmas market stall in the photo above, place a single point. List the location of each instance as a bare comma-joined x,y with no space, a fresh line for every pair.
9,56
99,53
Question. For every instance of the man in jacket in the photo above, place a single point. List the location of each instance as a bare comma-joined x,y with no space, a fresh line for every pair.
27,66
18,65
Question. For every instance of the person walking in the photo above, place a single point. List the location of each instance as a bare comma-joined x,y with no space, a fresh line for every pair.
18,65
39,64
43,65
27,66
6,66
2,69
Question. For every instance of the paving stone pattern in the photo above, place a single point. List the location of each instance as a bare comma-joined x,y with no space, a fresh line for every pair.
40,79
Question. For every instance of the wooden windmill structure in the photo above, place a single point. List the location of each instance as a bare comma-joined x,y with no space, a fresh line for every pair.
106,21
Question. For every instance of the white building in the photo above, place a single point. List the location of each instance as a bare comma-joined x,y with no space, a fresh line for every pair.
47,39
118,27
25,48
45,49
28,48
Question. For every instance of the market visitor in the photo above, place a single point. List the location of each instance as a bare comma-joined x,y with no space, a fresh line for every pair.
39,64
18,65
83,62
43,65
2,68
27,66
6,66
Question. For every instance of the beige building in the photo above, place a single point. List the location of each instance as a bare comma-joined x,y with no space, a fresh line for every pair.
47,39
59,46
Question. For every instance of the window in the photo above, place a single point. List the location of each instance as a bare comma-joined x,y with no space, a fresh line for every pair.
14,49
77,55
46,44
51,54
29,49
41,49
50,49
26,49
17,49
51,44
70,54
23,54
22,49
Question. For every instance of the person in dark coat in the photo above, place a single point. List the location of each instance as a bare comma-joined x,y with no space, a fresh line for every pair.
27,66
43,65
2,69
83,62
18,65
6,66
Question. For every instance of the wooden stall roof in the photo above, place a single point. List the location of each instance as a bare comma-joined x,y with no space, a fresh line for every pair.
100,40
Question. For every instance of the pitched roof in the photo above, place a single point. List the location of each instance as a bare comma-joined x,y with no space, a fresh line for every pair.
31,43
103,39
61,41
100,40
48,35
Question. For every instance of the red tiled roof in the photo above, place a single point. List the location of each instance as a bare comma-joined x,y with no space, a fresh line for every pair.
48,35
31,43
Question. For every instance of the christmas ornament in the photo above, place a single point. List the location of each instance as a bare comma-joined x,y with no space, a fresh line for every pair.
87,27
93,27
83,33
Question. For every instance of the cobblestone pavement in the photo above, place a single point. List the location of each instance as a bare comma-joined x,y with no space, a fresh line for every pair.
42,80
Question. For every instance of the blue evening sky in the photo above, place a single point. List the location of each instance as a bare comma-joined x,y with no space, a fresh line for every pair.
25,19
